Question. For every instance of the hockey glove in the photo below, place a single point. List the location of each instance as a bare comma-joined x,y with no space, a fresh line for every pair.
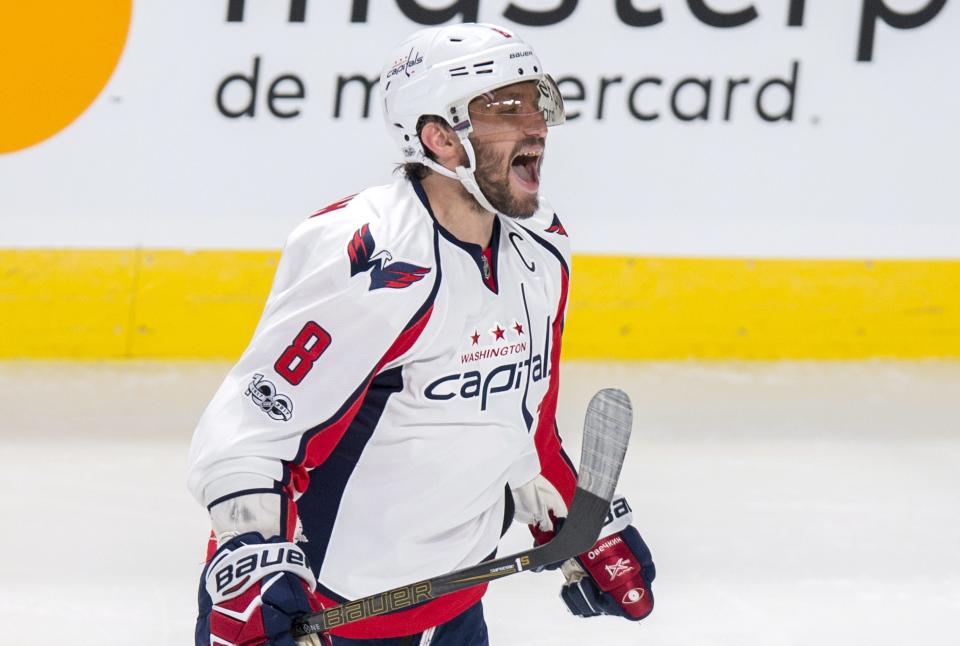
252,590
613,578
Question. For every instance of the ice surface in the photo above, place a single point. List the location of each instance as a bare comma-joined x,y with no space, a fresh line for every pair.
785,503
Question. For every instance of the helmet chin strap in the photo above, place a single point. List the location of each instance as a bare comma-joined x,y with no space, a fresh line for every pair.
464,175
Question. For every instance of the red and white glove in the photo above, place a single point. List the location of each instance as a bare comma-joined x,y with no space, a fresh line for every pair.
614,577
251,592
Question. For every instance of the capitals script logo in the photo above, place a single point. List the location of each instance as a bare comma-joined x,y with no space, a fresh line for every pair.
383,273
412,59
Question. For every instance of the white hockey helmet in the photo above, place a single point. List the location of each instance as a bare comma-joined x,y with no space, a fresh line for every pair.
437,71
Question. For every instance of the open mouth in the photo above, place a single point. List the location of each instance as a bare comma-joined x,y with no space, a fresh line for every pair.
526,168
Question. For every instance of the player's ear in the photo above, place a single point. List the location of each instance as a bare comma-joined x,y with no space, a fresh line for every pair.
442,143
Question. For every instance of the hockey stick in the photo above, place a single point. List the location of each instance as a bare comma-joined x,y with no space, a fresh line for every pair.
606,431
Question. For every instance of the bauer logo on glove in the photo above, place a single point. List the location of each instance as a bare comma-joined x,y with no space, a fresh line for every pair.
252,591
270,558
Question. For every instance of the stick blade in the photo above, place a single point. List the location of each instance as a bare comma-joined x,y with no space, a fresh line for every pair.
606,433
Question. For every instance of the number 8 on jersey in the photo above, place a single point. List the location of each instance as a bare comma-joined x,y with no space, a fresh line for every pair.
298,359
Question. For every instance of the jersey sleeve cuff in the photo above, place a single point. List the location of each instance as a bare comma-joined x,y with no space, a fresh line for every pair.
240,484
523,470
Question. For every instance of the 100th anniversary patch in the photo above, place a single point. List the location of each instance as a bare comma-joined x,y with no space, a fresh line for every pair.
264,394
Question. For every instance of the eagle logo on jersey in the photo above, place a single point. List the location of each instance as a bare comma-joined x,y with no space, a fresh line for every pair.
383,272
556,227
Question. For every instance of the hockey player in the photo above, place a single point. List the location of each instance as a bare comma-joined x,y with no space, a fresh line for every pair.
394,410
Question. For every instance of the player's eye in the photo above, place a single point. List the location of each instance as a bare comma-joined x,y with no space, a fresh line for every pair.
510,106
504,106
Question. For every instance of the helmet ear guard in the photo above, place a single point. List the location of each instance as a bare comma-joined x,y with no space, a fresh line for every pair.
465,174
468,178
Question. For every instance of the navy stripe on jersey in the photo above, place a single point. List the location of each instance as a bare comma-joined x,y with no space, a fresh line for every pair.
527,415
320,503
422,196
566,269
474,250
549,247
349,403
563,454
509,510
243,492
564,479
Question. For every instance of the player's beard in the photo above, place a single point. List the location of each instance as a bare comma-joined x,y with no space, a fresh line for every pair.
493,178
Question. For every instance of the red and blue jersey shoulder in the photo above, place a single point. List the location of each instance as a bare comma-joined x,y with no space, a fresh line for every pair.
374,233
334,206
546,224
556,226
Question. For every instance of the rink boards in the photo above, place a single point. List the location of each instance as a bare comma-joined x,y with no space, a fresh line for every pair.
149,303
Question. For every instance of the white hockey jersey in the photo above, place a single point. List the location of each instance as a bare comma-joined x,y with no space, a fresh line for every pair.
398,381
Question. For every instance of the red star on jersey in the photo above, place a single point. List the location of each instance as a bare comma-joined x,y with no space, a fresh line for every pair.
518,327
497,333
475,337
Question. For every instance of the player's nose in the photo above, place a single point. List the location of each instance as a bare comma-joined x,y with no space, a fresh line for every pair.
536,125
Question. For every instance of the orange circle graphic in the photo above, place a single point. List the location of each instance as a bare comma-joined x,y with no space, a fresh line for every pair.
57,56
